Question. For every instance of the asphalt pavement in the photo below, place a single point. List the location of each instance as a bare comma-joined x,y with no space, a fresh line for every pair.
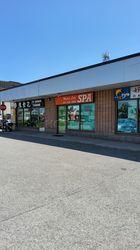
60,195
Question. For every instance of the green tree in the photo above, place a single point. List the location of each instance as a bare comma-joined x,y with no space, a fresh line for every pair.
105,56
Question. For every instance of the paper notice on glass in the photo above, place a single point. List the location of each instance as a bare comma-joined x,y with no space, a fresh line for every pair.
135,92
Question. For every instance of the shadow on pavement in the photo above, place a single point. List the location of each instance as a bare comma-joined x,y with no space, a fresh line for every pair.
90,148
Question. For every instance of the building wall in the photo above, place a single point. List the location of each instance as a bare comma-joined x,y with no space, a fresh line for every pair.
111,74
104,117
51,115
105,112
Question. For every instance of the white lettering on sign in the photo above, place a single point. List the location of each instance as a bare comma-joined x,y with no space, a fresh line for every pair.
84,98
135,92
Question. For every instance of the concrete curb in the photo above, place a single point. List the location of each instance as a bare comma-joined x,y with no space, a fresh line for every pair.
95,142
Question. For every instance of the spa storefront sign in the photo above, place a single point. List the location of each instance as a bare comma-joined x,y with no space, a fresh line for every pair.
74,99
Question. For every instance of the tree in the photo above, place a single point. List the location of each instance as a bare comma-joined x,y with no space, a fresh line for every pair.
105,56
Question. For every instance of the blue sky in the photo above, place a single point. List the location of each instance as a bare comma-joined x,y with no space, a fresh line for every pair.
39,38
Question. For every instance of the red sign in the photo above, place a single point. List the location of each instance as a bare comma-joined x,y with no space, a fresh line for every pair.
2,107
74,99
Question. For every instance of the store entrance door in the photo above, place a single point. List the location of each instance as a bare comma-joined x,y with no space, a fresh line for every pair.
61,119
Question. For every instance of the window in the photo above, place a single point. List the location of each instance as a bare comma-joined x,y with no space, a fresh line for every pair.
73,117
88,116
31,113
27,117
20,117
79,117
35,117
139,115
38,117
127,116
41,117
61,119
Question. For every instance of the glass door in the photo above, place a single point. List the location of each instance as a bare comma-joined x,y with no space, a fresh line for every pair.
35,117
61,119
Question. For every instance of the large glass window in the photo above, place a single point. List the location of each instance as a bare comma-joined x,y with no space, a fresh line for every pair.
41,117
77,117
88,116
20,117
31,113
61,119
127,116
73,117
27,117
139,115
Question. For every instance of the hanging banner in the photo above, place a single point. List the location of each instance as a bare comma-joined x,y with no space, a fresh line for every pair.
122,94
135,92
74,99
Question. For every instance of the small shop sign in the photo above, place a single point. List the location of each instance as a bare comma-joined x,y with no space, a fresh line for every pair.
31,104
74,99
135,92
122,94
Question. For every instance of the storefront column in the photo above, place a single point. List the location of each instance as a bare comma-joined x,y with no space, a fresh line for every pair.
105,112
51,115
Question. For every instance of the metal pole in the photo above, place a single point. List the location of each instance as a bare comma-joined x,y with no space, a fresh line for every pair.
2,118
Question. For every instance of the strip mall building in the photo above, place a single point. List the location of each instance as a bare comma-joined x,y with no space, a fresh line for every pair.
101,100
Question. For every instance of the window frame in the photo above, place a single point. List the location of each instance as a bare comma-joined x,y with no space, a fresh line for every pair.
116,118
94,117
30,111
76,130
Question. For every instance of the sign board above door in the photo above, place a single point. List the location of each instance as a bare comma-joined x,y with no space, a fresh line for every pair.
75,99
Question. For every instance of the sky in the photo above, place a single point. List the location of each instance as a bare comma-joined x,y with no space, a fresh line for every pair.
41,38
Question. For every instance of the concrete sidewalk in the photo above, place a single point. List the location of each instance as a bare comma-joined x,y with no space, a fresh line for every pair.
83,140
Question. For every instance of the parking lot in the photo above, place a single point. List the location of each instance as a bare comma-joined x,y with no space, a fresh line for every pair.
58,195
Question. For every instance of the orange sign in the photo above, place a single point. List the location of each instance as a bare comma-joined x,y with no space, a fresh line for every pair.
74,99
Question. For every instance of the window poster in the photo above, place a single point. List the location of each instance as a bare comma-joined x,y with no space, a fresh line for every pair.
88,117
135,92
73,117
127,116
131,113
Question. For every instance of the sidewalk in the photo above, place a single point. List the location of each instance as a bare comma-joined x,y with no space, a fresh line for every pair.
83,140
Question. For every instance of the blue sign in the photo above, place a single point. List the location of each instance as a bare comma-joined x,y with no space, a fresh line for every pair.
122,94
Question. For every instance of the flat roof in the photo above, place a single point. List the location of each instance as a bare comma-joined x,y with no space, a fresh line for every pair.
78,70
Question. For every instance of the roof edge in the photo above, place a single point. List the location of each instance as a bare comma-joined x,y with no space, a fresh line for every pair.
78,70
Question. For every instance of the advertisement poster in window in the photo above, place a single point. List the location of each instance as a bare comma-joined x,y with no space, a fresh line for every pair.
127,116
131,113
73,117
87,117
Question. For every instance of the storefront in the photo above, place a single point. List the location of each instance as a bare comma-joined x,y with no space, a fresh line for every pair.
128,110
30,114
101,100
76,112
